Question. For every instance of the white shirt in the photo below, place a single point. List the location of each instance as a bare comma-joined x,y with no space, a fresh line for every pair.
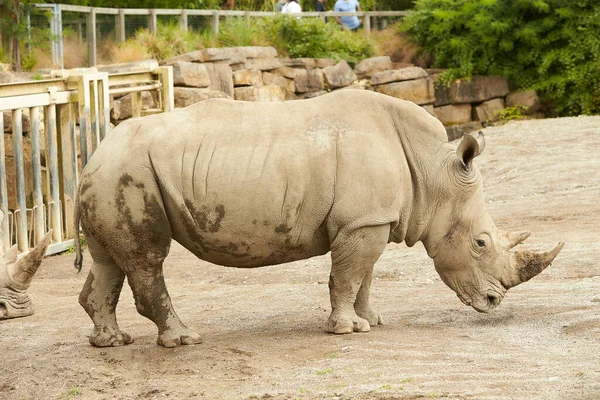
291,7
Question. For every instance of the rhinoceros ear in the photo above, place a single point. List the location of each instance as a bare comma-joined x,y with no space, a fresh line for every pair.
470,147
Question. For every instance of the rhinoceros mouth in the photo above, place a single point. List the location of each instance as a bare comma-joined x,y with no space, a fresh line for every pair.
486,305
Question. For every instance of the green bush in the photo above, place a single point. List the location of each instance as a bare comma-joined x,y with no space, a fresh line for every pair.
552,46
312,37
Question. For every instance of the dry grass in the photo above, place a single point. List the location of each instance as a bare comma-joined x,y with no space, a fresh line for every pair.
390,42
128,51
74,55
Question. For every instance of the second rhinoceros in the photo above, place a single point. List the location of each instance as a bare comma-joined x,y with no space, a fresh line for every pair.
247,185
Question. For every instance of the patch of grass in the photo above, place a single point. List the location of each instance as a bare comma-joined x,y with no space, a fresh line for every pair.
71,249
512,113
71,393
324,371
406,380
387,386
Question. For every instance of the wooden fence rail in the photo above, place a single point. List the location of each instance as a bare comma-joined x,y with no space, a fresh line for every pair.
215,15
79,99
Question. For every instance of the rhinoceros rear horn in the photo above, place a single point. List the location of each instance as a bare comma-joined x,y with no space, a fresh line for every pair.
526,264
508,240
470,147
23,270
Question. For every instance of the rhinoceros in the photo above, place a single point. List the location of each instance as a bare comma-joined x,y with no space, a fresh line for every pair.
246,185
16,275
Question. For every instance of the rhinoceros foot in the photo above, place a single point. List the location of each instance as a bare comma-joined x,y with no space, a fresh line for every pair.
107,337
371,316
14,304
340,323
178,337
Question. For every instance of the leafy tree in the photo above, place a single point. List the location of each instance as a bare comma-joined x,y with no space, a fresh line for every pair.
552,46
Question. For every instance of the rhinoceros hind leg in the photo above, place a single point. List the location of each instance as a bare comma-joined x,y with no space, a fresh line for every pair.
153,302
99,298
352,258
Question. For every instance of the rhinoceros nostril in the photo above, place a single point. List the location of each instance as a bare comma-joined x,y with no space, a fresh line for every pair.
493,300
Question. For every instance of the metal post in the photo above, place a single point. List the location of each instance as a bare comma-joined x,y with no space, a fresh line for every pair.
52,151
215,23
91,37
120,22
38,199
21,215
59,37
183,20
152,24
3,191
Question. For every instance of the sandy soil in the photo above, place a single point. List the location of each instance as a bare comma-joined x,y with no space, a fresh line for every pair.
263,328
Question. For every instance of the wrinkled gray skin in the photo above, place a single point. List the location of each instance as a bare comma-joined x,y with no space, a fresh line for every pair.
16,276
253,184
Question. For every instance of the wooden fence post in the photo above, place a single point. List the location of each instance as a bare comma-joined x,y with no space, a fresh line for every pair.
39,226
91,37
3,192
67,164
52,167
21,215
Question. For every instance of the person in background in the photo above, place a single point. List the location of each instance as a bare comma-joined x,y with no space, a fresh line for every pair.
279,5
350,23
319,6
291,6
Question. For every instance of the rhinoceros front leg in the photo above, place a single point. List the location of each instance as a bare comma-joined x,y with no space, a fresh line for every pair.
352,259
153,302
362,305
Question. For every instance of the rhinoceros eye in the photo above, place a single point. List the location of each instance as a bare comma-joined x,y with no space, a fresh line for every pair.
480,242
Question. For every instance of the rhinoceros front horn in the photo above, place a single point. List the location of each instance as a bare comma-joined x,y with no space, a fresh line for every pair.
21,273
526,264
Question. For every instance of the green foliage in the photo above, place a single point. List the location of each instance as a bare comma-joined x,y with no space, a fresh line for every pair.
552,46
169,41
512,113
311,37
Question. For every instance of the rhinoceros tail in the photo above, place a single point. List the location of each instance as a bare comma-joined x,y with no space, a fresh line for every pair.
77,245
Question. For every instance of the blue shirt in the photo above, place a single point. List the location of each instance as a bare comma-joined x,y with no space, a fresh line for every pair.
350,6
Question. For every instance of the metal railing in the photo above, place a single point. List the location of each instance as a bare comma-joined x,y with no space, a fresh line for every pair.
183,17
75,98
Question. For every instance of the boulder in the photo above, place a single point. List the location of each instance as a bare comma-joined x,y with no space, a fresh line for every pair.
528,101
324,62
398,75
273,79
309,80
306,63
263,64
288,72
194,56
453,114
247,77
369,66
263,93
457,131
429,108
143,65
190,74
478,89
339,75
187,96
125,107
7,119
221,78
488,111
419,91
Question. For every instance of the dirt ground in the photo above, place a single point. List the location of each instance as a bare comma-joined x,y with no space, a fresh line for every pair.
263,328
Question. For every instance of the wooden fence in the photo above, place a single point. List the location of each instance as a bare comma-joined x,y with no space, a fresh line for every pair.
68,117
369,18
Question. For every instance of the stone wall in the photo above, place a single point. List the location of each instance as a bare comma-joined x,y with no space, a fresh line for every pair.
258,74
